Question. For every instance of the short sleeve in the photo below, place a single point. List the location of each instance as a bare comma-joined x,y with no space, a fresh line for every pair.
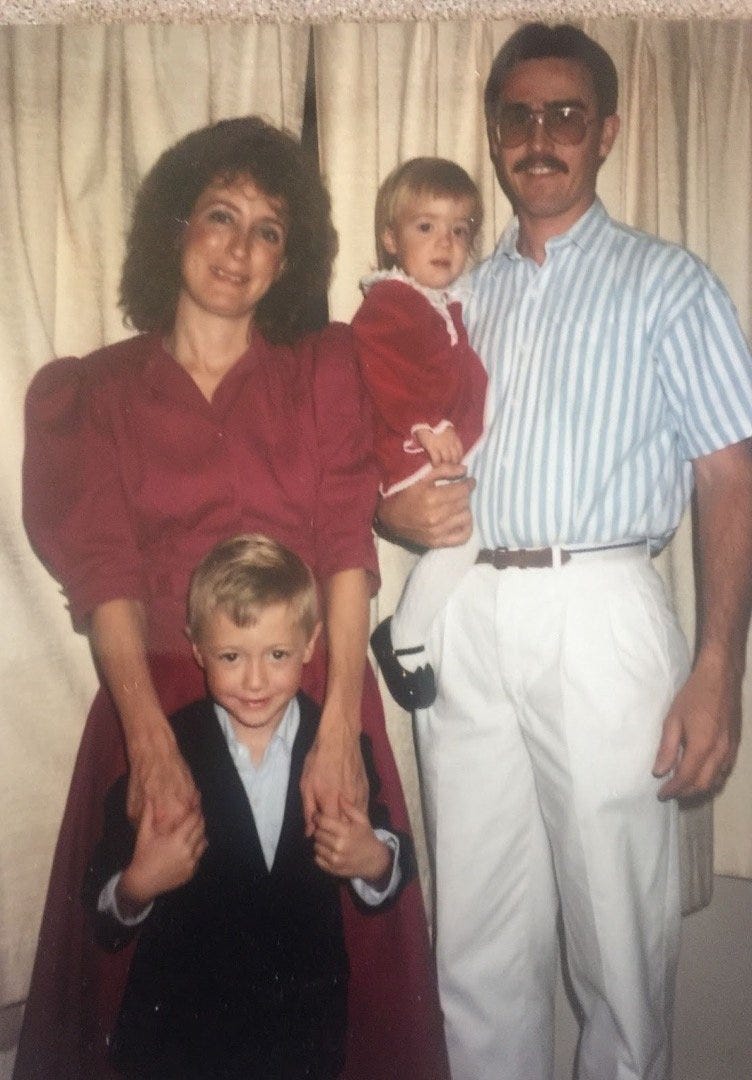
74,508
705,364
348,479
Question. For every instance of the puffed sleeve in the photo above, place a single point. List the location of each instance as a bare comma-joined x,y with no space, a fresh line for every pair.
74,508
348,478
405,357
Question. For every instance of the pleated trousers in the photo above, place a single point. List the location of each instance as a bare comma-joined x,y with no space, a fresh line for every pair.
535,765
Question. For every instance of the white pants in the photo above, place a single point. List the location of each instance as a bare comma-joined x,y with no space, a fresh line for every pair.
536,769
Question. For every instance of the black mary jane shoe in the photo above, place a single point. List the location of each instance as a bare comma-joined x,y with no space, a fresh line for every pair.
410,689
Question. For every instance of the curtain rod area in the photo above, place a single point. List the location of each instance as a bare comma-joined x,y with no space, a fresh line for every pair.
37,12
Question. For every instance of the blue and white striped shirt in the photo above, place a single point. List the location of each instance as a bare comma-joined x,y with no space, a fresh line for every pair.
611,367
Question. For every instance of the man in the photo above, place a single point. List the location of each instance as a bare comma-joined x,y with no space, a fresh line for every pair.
567,719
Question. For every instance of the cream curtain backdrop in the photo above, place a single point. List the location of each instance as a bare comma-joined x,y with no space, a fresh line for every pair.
88,112
85,112
681,169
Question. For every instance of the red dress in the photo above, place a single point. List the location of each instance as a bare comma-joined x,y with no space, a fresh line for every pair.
419,368
130,476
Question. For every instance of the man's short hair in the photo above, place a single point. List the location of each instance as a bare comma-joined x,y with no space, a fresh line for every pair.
244,575
536,41
416,177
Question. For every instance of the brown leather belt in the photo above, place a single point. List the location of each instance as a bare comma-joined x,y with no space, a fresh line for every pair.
502,558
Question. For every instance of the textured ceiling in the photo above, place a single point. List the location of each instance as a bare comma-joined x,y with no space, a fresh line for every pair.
318,11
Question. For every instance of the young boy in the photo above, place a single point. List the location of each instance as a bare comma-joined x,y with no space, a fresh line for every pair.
240,969
427,384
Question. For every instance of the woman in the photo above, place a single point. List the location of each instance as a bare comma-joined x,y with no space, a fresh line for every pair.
234,411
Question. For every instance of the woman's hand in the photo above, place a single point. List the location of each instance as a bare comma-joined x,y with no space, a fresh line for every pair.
332,770
334,765
160,779
158,773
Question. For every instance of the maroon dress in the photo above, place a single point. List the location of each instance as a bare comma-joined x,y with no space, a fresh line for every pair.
130,476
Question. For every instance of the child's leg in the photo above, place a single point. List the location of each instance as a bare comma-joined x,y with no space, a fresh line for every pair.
429,586
398,642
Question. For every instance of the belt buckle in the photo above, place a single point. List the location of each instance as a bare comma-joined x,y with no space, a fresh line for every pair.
499,558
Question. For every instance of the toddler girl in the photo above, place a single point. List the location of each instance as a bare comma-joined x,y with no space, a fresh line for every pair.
426,383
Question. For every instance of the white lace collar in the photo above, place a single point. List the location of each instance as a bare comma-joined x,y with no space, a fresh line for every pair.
439,299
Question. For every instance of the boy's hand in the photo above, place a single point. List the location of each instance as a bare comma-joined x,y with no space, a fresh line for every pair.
443,447
161,860
347,846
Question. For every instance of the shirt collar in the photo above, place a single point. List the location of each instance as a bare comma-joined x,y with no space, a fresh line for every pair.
580,234
283,737
165,375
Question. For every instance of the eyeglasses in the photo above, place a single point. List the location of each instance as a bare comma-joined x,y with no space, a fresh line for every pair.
564,124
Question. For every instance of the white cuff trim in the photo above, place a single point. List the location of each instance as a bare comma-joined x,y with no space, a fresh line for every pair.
367,893
107,905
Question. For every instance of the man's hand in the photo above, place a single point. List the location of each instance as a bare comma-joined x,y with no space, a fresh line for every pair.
162,860
432,512
333,770
160,777
345,845
700,733
702,730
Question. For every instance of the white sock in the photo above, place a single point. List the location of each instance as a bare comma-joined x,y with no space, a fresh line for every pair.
426,591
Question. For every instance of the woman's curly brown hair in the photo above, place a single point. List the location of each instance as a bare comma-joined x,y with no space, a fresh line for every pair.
278,165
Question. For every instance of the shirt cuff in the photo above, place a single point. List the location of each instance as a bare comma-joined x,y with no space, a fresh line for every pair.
364,890
107,905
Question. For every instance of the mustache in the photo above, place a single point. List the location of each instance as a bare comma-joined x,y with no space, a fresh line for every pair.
548,162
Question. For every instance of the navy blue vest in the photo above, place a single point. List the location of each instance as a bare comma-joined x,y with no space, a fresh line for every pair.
242,972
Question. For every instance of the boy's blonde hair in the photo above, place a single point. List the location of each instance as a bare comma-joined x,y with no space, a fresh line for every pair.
416,177
243,576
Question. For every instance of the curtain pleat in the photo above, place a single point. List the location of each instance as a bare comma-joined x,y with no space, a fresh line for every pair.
85,111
